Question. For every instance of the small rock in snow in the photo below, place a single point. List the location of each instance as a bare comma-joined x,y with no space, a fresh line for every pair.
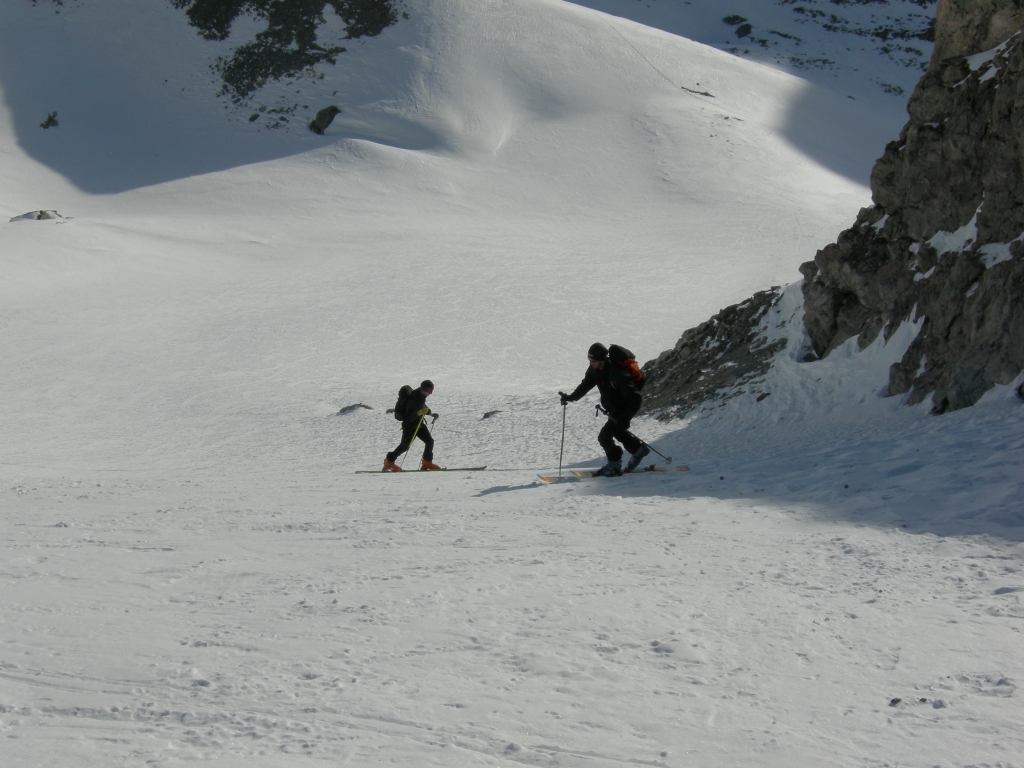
354,407
323,119
38,216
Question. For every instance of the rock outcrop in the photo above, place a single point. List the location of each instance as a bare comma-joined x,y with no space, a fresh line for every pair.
943,243
38,216
963,27
720,358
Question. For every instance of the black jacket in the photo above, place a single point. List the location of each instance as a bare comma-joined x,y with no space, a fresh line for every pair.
417,402
619,394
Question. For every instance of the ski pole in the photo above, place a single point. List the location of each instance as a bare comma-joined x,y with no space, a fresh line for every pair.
562,448
668,459
411,439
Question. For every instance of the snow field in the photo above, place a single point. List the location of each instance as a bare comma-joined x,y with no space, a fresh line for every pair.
192,574
438,619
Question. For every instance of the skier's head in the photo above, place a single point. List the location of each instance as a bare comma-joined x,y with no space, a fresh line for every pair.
426,386
597,353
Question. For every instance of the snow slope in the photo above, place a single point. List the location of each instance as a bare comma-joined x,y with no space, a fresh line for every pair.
871,51
192,574
863,47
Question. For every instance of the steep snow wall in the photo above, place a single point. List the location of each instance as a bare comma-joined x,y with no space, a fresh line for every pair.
941,246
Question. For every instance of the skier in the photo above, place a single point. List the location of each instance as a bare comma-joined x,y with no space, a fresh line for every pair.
416,411
619,382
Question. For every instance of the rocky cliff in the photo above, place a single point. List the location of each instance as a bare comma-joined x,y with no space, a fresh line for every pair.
943,243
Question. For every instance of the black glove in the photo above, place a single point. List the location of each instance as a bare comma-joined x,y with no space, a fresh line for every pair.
565,397
435,416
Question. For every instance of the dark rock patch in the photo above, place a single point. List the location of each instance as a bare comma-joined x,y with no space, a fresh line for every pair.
709,361
354,407
323,119
38,216
949,195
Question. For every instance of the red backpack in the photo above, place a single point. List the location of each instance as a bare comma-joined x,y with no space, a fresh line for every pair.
625,358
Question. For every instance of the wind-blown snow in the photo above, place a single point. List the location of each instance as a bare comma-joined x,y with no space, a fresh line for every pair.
192,573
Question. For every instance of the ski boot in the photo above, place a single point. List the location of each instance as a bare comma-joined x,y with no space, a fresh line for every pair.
611,469
428,465
390,466
639,456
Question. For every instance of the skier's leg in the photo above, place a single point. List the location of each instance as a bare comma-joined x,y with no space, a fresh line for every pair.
428,442
407,430
624,436
606,438
621,432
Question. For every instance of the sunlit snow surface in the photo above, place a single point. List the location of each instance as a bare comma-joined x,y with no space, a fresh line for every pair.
191,571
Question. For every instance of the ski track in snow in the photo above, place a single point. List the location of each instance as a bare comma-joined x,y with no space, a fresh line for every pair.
189,571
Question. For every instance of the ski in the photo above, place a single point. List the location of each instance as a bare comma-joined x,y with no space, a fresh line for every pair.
420,471
650,468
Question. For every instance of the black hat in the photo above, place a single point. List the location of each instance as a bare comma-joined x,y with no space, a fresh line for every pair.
598,352
427,385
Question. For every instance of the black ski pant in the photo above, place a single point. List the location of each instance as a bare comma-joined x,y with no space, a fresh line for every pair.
423,434
617,428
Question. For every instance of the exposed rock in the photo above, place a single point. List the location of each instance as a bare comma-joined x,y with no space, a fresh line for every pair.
944,239
943,244
354,407
709,361
323,119
38,216
963,27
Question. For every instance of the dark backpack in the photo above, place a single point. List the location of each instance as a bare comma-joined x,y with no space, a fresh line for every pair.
403,399
625,358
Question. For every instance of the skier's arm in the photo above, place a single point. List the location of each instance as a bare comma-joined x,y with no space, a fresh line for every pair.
588,383
416,407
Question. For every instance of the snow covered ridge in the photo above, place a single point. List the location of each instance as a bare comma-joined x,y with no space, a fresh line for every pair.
942,249
869,46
